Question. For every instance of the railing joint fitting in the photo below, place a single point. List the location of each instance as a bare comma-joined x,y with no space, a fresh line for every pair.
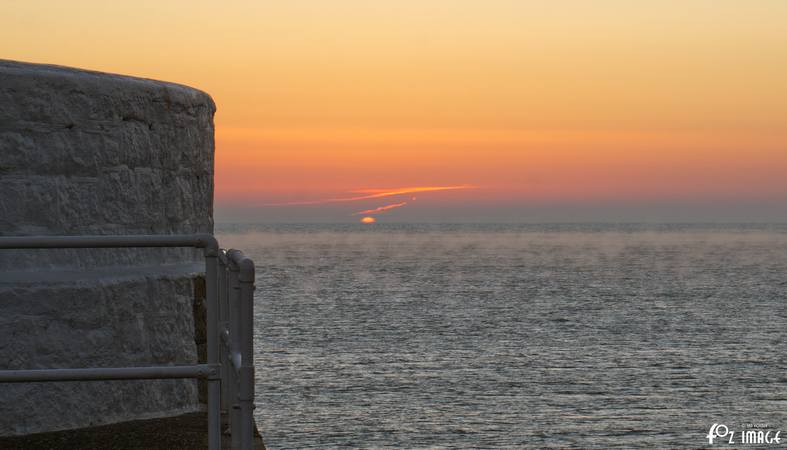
214,372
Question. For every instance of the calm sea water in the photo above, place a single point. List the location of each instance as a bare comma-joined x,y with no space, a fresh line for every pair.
584,336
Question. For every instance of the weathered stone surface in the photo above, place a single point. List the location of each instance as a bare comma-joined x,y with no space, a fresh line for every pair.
111,323
90,153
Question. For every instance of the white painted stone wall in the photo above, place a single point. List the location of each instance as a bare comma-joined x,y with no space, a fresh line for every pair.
91,153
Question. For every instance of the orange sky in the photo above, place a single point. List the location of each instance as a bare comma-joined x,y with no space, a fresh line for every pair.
532,103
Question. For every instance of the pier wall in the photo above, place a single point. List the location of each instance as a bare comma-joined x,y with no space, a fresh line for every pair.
91,153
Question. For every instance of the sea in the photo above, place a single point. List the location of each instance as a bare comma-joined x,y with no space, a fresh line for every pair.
518,336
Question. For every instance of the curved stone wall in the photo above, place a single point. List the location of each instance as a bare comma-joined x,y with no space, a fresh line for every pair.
91,153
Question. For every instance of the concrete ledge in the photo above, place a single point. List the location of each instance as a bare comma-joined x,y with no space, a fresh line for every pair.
186,432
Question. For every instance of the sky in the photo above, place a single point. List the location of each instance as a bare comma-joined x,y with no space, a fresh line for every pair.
461,110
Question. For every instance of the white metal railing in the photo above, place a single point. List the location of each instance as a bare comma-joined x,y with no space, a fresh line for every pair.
229,371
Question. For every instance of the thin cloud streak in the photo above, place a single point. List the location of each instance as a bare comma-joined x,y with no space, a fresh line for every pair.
380,209
374,193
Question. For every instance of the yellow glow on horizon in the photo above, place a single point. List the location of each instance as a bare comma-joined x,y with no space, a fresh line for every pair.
368,220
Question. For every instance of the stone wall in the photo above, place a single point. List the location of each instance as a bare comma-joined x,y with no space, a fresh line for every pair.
91,153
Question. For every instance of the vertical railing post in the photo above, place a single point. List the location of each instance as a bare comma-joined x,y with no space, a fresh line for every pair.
212,317
224,327
246,375
234,326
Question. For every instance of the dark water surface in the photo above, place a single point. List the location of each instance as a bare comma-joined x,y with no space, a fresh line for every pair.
585,336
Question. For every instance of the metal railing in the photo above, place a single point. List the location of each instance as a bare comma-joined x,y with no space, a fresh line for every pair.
229,371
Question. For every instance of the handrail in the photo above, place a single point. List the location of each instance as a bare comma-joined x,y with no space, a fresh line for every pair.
203,240
230,378
106,373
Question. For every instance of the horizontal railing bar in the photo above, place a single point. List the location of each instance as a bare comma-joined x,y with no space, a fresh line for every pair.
109,241
235,255
242,264
107,373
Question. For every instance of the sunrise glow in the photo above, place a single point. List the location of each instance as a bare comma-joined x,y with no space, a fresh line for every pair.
368,220
493,110
380,209
372,194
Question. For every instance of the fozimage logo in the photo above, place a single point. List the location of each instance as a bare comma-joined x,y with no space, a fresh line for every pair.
749,434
